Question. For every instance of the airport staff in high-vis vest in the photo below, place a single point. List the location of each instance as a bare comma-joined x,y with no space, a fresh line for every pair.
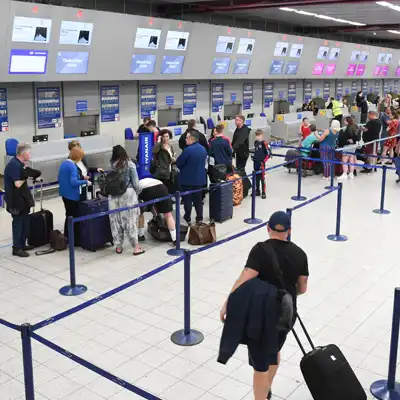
337,110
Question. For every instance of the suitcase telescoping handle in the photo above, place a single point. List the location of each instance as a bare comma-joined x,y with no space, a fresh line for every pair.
39,180
307,336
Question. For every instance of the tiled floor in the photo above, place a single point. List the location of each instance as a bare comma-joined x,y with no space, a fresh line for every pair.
349,303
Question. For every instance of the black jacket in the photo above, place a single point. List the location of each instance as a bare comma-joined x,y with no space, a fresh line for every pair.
202,140
162,162
240,142
349,136
251,318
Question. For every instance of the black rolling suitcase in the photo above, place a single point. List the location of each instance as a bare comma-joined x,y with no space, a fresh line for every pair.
158,228
291,155
41,224
327,373
221,202
246,182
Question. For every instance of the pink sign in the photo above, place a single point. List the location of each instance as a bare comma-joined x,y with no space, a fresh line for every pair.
351,69
398,71
318,69
384,70
330,69
377,71
360,69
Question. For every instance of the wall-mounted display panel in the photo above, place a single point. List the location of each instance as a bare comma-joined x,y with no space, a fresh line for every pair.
281,49
377,71
351,69
381,58
143,63
72,62
147,38
76,33
330,69
323,52
388,58
241,66
225,44
172,64
355,55
384,71
31,30
364,56
221,65
276,67
360,70
291,67
318,69
177,41
246,46
334,53
28,62
296,50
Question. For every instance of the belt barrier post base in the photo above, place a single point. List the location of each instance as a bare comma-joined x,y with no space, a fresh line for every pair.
253,220
340,238
379,390
177,251
382,210
182,339
73,291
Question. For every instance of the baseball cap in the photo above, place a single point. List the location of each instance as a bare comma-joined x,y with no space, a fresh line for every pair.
279,222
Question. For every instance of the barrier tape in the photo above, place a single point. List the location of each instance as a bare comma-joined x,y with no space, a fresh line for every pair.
10,325
84,363
314,199
104,296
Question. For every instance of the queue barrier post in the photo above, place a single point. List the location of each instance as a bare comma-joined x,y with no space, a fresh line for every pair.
337,237
253,220
289,212
332,171
389,389
177,251
72,289
382,210
299,197
26,330
187,336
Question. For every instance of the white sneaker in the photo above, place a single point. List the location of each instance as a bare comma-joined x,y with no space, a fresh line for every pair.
342,177
351,175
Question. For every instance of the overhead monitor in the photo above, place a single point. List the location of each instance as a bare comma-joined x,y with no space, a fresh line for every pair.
72,62
360,70
143,63
351,69
241,66
291,67
276,67
225,44
28,61
31,30
147,38
330,69
221,65
364,56
334,53
281,49
381,58
384,70
323,52
246,46
76,33
172,64
388,58
296,50
377,70
177,40
318,68
355,55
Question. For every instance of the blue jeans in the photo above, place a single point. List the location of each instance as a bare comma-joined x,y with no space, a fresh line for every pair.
20,230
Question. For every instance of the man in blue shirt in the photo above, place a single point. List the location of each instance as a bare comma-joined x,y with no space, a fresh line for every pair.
19,198
191,164
220,147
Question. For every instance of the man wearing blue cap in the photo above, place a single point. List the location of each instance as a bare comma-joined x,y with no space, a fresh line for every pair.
293,264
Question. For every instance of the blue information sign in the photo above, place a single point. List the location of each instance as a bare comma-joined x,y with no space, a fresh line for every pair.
148,101
307,91
169,100
109,102
247,96
353,87
177,131
327,90
377,87
81,105
48,104
217,97
268,94
189,99
233,97
339,89
3,111
291,92
364,87
280,94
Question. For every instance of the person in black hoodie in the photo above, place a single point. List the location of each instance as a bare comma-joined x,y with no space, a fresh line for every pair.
240,142
192,127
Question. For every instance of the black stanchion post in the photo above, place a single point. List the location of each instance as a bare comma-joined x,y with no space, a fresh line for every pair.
289,212
332,169
382,210
187,336
337,237
27,361
253,220
299,197
177,251
390,389
72,289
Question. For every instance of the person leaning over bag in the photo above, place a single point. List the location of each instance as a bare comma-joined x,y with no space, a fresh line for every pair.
19,198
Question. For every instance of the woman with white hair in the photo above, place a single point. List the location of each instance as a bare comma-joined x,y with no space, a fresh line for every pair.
327,146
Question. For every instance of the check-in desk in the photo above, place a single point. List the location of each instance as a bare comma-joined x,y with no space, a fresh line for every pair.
286,126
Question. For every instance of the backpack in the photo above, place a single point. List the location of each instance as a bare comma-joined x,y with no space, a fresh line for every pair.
237,188
113,184
58,242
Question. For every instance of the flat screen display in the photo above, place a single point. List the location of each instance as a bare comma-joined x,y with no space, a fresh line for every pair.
334,53
384,70
69,62
381,58
388,58
377,71
355,55
398,71
276,67
241,66
172,64
351,69
225,44
330,69
31,30
246,46
364,56
221,65
147,38
76,33
291,67
143,63
177,41
323,53
360,70
281,49
296,50
318,69
28,61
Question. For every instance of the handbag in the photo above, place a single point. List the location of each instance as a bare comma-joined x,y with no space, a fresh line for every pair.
201,233
58,242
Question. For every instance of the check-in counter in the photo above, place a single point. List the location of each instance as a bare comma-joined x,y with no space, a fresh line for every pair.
286,126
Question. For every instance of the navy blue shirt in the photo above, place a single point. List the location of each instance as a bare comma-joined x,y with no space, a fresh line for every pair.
192,164
221,150
12,173
261,151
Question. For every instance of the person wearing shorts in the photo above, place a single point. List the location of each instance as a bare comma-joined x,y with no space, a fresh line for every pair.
371,132
152,189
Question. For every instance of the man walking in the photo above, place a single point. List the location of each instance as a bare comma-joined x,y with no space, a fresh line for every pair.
240,142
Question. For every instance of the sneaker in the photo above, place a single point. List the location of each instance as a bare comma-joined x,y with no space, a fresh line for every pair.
325,178
174,243
398,181
366,171
388,163
263,196
342,177
20,253
142,238
351,175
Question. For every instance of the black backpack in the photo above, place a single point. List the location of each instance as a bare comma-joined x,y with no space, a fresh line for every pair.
114,183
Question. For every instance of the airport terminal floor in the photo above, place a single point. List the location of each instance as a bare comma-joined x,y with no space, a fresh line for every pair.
349,302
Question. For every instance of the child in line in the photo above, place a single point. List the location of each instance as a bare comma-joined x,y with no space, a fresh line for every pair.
262,153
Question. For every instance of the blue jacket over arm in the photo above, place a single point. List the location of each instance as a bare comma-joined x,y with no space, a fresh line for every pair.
69,182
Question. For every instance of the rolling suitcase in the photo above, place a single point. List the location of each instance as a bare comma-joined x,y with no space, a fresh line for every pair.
221,202
327,373
291,155
246,182
94,233
157,228
41,224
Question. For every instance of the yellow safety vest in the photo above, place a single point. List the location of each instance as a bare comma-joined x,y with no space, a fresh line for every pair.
336,109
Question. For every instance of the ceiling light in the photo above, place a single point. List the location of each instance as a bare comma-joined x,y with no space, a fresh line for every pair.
325,17
395,32
388,5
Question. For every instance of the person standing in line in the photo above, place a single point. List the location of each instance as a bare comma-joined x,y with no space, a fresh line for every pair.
371,132
192,127
261,155
385,118
327,146
18,197
221,148
347,137
240,142
304,130
358,98
192,175
337,110
293,263
391,141
364,110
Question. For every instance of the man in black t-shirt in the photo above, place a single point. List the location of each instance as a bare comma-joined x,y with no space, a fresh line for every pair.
371,131
294,266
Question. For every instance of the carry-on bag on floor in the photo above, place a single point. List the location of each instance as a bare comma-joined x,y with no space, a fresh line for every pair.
246,182
221,202
201,234
327,373
41,223
94,233
237,187
291,155
157,227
